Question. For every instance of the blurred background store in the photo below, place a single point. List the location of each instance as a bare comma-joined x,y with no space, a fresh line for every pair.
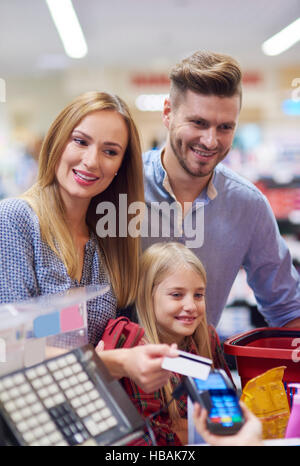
128,48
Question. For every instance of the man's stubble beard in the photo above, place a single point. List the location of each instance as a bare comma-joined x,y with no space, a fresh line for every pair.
183,164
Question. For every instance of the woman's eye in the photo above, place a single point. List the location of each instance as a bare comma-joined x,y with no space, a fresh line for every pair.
80,141
111,152
199,295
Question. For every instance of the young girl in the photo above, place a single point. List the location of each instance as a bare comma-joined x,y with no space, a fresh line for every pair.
171,309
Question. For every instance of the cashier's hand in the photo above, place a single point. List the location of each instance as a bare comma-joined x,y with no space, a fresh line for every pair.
249,435
142,364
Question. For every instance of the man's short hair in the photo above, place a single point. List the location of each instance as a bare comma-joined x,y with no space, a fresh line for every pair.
207,73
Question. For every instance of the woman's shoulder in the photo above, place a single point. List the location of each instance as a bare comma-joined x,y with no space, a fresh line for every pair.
14,205
17,212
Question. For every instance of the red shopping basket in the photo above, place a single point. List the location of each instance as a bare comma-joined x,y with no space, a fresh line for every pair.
264,348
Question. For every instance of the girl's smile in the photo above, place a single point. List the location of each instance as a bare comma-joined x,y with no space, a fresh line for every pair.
179,303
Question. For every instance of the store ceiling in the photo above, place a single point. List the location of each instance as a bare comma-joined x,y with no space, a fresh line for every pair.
144,33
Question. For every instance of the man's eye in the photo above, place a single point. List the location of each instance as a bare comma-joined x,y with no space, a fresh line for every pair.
226,127
199,123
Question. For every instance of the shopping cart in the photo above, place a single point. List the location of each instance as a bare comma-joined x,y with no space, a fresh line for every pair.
262,349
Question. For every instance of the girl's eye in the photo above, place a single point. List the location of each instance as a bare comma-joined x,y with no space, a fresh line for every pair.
199,295
176,295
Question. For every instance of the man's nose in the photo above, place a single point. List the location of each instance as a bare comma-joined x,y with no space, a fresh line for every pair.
209,138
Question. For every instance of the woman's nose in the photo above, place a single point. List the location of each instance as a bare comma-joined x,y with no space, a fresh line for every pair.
91,158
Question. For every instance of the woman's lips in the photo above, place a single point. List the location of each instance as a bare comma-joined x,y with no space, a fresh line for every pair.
84,178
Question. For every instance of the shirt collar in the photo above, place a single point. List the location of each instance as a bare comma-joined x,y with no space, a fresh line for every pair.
210,190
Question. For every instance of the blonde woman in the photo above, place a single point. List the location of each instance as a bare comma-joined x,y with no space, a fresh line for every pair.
48,239
171,309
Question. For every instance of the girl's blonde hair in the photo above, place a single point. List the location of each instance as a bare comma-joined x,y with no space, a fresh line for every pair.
121,254
157,262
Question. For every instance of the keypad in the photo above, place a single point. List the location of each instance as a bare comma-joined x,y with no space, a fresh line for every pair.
55,403
69,423
224,410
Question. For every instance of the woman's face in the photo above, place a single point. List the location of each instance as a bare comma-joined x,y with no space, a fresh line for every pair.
92,156
179,303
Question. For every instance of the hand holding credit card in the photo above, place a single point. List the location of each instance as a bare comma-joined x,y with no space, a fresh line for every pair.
188,364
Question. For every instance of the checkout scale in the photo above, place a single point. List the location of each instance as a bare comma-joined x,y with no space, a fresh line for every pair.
68,399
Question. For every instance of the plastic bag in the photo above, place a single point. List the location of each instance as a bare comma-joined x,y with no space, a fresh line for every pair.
265,396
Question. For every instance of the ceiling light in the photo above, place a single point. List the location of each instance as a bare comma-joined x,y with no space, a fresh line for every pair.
283,40
68,27
150,102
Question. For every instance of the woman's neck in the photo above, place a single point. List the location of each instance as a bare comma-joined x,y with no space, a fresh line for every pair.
75,214
77,225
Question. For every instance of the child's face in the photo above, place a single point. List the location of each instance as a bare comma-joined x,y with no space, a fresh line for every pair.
179,303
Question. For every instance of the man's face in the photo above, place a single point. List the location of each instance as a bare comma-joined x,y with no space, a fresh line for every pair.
201,130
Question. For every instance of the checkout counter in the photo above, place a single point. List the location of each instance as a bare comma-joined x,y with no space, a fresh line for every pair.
54,389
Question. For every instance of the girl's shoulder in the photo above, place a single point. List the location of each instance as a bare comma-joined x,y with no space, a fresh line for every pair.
219,359
213,335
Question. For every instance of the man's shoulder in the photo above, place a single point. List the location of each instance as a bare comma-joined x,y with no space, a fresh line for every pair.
154,172
227,179
151,156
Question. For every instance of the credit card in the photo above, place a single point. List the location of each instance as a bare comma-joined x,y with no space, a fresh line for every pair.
188,364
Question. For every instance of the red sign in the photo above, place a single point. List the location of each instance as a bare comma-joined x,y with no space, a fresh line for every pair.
162,79
151,79
252,78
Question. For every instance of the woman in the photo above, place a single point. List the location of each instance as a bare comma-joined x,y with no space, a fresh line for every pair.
171,309
48,242
90,155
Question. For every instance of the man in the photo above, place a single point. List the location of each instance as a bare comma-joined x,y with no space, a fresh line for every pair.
237,227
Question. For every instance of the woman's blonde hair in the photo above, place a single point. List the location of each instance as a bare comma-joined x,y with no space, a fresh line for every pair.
158,261
121,254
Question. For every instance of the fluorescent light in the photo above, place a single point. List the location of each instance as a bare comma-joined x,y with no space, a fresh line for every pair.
150,102
68,27
283,40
